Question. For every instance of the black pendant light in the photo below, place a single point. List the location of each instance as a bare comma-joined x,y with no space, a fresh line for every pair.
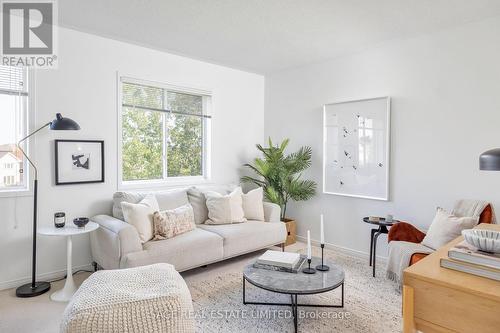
490,160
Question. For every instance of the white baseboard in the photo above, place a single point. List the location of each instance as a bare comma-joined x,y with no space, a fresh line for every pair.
344,250
41,277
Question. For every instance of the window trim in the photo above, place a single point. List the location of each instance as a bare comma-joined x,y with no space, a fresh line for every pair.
27,188
206,149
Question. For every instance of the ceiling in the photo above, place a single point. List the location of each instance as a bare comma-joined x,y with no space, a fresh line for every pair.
265,36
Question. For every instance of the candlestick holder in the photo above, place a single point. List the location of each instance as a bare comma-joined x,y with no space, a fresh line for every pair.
309,270
322,267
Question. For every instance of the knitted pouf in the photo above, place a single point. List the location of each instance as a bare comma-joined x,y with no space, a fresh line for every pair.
151,298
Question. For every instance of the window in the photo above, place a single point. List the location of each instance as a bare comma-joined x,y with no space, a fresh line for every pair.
164,133
13,126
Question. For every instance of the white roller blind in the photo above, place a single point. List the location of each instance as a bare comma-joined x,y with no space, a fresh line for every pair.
13,80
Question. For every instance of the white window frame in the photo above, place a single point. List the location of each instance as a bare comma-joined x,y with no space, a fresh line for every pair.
26,188
206,149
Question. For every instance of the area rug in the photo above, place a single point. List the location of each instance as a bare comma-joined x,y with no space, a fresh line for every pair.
371,304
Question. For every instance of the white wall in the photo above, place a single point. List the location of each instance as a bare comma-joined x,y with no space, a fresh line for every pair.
445,112
84,88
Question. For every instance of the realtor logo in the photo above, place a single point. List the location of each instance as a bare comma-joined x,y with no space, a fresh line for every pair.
28,29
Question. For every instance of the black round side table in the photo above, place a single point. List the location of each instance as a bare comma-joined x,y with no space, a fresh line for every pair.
382,229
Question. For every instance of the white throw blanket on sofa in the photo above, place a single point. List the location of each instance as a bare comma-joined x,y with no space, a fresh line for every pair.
400,252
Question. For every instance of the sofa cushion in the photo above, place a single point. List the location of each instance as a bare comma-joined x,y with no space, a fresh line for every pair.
225,209
168,199
197,199
191,249
252,204
140,215
249,236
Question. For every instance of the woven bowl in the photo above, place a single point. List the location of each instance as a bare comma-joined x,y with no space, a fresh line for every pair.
484,240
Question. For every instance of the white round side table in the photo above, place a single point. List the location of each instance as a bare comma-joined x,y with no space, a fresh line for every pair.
68,231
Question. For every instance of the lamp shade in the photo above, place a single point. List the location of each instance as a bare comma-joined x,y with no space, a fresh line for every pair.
64,124
490,160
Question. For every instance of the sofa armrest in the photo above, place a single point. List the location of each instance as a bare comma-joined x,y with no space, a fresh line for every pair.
272,212
113,240
403,231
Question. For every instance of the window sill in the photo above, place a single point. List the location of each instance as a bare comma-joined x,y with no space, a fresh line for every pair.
15,193
161,184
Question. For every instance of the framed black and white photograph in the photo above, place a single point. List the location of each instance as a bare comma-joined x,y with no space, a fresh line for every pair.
79,161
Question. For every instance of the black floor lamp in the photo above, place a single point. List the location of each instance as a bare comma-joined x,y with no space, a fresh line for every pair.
37,288
490,160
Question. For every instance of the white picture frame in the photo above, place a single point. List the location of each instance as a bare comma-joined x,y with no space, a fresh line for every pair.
356,148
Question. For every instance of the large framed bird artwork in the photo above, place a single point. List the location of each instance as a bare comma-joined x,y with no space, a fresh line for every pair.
79,161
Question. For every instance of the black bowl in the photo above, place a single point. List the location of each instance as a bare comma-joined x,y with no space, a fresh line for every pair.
80,222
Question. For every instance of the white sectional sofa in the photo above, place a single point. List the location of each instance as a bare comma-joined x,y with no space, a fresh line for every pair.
116,244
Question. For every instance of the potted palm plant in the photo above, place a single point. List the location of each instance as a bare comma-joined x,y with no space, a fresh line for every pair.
280,174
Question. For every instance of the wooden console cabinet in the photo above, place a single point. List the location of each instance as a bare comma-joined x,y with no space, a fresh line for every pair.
437,299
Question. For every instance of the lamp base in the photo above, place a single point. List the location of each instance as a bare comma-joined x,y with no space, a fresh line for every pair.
27,291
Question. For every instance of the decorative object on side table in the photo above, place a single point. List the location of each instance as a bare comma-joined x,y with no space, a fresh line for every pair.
308,269
59,219
81,222
79,161
382,224
322,267
37,288
484,240
65,294
467,258
350,130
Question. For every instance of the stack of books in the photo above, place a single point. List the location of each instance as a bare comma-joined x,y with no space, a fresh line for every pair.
280,261
467,258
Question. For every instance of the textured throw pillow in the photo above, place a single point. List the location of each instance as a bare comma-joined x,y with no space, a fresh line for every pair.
140,215
445,227
253,204
173,222
225,209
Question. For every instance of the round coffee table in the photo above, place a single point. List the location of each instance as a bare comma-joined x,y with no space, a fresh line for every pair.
295,284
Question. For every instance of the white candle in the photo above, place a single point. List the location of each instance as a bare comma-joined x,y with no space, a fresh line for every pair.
308,244
322,231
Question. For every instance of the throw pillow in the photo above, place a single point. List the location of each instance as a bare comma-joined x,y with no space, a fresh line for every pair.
445,227
253,204
173,222
225,209
198,200
140,215
199,203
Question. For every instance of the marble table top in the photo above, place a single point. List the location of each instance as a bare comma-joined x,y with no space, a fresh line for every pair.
296,283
